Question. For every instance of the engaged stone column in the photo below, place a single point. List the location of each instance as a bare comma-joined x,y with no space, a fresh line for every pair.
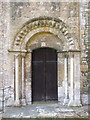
66,79
59,60
74,79
77,79
30,77
71,91
17,92
23,80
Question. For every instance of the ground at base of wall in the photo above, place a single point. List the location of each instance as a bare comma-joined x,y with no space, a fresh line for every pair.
46,111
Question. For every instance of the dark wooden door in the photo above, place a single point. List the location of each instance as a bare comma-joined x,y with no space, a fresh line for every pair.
44,74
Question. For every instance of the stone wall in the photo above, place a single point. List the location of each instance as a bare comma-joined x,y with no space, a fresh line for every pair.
5,61
15,14
84,44
89,51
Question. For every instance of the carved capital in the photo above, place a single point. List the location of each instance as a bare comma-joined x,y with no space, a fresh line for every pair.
71,54
23,54
65,55
17,55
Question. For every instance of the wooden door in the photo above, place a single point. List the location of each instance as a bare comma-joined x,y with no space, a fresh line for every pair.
44,74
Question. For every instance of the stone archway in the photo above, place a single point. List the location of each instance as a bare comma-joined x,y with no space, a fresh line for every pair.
69,49
43,24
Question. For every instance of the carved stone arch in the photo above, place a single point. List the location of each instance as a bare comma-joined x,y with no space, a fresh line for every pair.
40,30
57,28
43,39
43,24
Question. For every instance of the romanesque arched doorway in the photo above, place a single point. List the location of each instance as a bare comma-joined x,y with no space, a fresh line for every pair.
44,75
47,32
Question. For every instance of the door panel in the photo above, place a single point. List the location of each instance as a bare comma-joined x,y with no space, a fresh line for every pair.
44,74
38,75
51,74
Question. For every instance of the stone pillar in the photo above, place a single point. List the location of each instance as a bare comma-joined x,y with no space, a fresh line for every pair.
23,80
77,79
74,80
58,63
66,79
17,92
71,91
30,77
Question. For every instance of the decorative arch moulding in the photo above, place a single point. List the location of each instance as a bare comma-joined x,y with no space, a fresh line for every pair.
46,23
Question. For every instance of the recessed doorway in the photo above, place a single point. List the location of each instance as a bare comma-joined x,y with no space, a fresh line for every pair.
44,75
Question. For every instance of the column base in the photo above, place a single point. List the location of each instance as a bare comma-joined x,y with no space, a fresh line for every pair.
78,103
66,101
28,102
74,103
17,103
23,102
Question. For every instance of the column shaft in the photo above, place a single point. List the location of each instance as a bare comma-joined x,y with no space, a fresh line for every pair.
66,80
77,79
17,80
31,78
71,91
23,83
22,77
71,78
65,73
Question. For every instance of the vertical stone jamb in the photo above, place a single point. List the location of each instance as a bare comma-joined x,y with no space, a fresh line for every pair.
58,86
71,91
74,79
66,78
17,92
77,79
23,101
31,77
